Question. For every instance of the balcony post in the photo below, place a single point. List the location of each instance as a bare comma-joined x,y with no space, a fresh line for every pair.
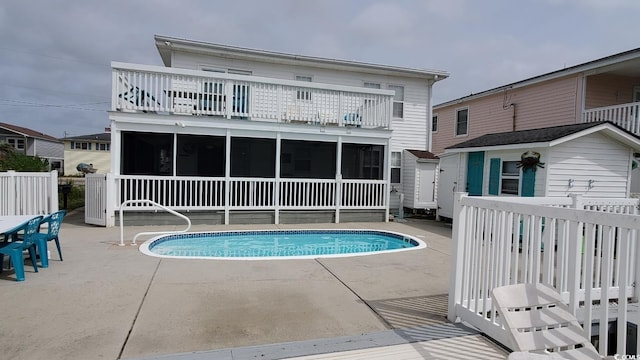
338,177
276,184
227,177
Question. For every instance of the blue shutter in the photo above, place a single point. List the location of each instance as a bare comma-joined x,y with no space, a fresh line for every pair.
494,176
528,182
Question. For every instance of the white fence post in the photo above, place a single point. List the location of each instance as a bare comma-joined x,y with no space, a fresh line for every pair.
110,199
12,193
575,255
53,192
458,237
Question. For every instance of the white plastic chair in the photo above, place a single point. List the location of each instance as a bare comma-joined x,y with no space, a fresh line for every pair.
540,325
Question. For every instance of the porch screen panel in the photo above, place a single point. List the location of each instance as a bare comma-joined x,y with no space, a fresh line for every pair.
361,161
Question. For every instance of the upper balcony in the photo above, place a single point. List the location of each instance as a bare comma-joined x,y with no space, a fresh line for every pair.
627,116
161,90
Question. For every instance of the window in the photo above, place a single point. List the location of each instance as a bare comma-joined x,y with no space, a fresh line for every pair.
434,123
80,145
102,147
372,85
17,143
462,122
303,94
396,163
510,178
398,101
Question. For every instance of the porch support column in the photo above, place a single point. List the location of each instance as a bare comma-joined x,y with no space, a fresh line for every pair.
227,177
276,185
338,178
174,164
387,178
116,148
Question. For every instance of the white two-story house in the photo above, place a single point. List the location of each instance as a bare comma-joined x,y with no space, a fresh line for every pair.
248,135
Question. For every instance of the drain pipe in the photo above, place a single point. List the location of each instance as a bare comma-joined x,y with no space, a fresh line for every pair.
513,120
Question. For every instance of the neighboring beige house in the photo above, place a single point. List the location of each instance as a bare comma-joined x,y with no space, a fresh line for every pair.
603,89
33,143
92,149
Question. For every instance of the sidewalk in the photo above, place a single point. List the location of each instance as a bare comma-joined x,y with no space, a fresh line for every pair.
109,302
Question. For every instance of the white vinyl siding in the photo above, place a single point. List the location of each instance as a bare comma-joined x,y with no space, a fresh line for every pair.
593,157
410,132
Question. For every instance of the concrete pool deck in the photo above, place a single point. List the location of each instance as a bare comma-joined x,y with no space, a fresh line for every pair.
110,302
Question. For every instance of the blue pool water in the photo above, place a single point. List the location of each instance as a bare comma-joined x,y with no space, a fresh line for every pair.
278,244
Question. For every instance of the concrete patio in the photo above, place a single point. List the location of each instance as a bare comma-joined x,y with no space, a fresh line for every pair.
110,302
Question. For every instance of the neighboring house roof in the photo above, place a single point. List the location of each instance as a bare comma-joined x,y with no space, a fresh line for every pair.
166,45
626,63
545,137
27,132
422,154
93,137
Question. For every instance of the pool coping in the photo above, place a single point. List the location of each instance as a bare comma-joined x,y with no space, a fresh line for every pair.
327,345
145,247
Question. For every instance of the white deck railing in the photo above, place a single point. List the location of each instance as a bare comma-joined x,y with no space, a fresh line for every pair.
198,193
28,193
624,115
189,92
501,241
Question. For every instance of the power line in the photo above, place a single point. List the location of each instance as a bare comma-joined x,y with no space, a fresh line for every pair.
65,106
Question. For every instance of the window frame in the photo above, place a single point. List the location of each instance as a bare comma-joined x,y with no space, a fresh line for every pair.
15,143
396,101
510,176
303,95
78,145
395,163
434,123
457,122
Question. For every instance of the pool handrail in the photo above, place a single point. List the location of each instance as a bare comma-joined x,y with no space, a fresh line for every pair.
133,242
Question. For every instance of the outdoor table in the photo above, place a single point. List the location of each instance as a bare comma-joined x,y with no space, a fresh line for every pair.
10,222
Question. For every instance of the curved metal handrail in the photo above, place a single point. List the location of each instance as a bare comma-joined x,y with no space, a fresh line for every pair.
133,242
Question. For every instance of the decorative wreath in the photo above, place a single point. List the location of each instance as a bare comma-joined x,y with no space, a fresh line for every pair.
530,160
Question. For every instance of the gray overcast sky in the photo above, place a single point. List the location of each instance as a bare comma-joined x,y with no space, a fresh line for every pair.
55,56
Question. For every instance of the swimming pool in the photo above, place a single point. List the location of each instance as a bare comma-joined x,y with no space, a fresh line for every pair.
278,244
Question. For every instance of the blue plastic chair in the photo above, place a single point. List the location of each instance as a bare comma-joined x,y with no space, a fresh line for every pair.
54,222
16,248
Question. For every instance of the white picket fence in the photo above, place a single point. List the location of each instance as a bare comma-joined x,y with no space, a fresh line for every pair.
28,193
585,248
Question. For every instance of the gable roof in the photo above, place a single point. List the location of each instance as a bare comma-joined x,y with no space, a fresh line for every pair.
166,45
27,132
422,154
545,137
625,63
99,137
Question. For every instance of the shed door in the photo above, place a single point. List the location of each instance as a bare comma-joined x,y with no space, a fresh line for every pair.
427,176
475,169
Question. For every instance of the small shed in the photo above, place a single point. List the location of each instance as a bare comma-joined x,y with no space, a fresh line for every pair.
419,179
592,159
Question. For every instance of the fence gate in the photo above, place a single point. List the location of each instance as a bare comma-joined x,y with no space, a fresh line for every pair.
95,199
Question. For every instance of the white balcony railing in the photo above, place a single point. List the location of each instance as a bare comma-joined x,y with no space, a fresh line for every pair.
200,193
587,249
189,92
625,115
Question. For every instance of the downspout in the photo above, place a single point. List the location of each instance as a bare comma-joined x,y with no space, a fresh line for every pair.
513,117
430,113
